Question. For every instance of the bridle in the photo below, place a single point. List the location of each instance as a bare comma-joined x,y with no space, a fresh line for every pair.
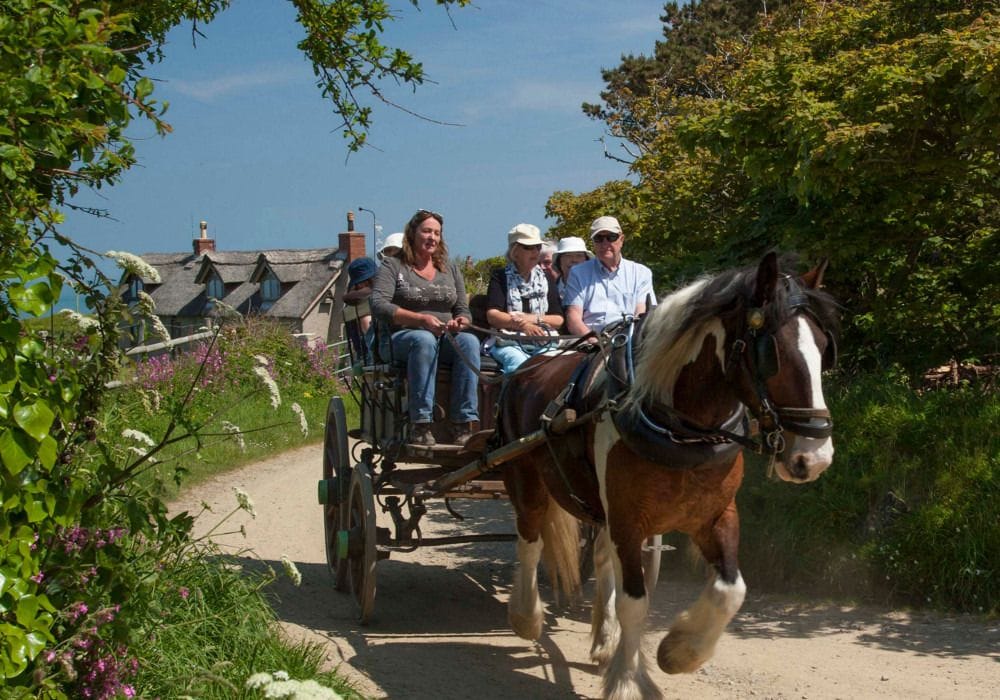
755,353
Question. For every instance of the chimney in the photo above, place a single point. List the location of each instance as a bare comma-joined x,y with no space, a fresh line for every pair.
352,243
204,244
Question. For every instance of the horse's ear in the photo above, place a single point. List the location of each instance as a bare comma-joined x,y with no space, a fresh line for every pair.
814,278
767,280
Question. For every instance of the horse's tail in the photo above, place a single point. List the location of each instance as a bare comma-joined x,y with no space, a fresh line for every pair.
561,551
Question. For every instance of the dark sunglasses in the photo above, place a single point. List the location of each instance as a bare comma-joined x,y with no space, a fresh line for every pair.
605,237
537,246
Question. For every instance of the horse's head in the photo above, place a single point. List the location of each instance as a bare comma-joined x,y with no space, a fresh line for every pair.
785,339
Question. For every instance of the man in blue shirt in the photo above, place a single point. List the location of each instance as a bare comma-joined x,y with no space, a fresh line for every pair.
608,287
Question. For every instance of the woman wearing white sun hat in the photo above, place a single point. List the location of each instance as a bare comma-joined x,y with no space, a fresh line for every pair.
570,251
521,301
393,245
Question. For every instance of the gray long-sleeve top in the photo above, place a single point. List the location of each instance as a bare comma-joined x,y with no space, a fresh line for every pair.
398,286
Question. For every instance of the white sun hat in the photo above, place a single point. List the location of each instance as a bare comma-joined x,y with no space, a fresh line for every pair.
570,244
525,234
393,240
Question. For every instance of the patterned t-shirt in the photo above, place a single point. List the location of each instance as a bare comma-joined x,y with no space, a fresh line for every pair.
398,286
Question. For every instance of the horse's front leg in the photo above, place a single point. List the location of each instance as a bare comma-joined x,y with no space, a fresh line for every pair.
530,498
604,630
626,676
692,638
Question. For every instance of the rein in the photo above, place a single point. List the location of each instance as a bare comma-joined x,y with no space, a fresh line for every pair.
579,342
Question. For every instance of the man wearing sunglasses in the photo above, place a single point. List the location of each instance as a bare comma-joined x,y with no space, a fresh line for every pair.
608,287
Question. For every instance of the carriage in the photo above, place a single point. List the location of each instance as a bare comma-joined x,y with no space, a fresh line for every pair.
372,468
651,443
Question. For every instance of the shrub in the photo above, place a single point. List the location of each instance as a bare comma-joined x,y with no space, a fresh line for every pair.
909,512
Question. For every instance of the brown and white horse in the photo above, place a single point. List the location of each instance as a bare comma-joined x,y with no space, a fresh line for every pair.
659,448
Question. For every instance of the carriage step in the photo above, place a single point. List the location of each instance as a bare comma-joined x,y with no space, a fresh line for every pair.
476,443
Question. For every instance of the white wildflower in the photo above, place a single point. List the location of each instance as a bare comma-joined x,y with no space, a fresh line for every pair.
303,423
223,309
243,498
237,433
272,388
159,330
142,453
278,685
145,304
138,436
84,323
261,360
291,571
135,265
258,680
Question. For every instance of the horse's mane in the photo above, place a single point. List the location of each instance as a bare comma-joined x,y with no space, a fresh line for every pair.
675,330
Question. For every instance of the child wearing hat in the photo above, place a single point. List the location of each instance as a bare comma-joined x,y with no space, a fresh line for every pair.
360,279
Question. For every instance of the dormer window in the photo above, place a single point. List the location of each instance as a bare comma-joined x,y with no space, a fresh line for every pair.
270,290
215,289
134,287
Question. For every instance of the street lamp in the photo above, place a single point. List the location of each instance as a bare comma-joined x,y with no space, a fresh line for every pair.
374,243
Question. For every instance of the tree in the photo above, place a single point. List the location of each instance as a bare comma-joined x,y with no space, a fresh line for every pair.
72,78
692,31
864,131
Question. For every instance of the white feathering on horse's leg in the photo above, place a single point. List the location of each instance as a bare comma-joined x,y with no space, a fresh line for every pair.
524,609
604,629
692,638
626,676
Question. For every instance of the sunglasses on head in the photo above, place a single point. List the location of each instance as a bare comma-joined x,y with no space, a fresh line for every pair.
610,237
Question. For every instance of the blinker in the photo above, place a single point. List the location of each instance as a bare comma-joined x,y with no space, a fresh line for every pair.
766,355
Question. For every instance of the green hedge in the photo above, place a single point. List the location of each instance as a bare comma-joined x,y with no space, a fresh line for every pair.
909,512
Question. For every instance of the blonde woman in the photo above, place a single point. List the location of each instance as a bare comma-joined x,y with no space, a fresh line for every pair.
521,300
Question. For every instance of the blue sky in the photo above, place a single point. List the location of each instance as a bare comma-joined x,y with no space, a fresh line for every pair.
255,150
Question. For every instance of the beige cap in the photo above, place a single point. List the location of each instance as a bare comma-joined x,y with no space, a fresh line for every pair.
525,234
605,223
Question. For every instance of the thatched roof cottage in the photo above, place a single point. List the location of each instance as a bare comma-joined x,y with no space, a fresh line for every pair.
301,288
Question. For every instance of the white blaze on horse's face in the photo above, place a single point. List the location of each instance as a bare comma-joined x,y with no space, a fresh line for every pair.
805,458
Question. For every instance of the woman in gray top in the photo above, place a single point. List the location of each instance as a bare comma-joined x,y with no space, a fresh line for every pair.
422,297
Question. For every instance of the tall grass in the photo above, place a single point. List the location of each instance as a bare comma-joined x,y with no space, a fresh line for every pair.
909,513
215,631
208,626
213,391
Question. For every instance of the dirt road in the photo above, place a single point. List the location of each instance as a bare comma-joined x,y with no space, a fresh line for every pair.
440,628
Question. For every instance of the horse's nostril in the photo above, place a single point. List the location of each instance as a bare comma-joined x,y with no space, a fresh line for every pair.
800,468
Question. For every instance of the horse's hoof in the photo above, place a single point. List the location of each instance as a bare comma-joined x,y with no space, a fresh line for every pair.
635,686
676,655
526,627
603,649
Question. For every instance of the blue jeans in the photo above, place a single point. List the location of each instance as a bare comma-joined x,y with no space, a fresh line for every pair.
422,350
513,356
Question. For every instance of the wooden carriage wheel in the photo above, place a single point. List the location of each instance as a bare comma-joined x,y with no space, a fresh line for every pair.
360,516
334,491
651,550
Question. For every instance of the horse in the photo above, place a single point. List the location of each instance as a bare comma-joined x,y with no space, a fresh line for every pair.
656,445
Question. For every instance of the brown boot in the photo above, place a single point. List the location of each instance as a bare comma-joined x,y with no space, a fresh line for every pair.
461,432
421,434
